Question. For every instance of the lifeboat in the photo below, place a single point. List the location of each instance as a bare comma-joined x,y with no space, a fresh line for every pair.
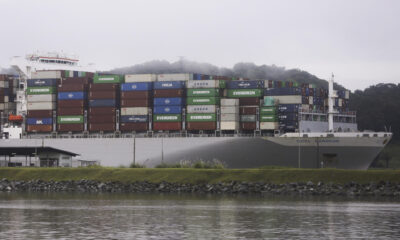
15,118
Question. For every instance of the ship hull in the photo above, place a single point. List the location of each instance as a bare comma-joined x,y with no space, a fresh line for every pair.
232,152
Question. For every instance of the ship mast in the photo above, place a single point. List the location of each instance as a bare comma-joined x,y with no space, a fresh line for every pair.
331,98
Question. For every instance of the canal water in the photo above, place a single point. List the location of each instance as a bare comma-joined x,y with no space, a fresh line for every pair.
173,216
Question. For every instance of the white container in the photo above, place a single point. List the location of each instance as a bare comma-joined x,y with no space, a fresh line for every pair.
45,74
42,98
201,108
130,78
41,106
230,125
228,117
230,110
4,84
5,100
269,125
229,102
2,106
340,102
203,84
310,100
288,99
347,94
134,111
175,77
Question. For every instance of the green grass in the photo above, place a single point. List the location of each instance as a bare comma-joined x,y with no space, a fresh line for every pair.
190,175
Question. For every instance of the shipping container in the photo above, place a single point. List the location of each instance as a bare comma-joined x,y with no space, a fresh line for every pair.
46,74
289,107
230,125
230,109
290,99
247,126
168,93
39,128
4,84
102,103
39,121
167,118
42,98
201,117
202,101
248,110
269,125
268,111
239,93
134,118
72,88
175,77
102,118
248,118
75,127
39,113
103,87
63,111
169,85
76,80
108,79
130,78
69,73
168,101
102,110
135,103
134,111
41,106
245,84
282,91
94,95
42,82
268,118
229,102
201,109
167,110
71,103
40,90
201,126
132,126
203,84
289,117
167,126
229,117
105,127
136,95
137,86
70,119
250,101
205,92
71,95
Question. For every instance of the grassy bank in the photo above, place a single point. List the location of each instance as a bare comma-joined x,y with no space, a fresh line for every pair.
285,175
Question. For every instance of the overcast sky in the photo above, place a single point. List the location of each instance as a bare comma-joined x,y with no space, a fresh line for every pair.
357,40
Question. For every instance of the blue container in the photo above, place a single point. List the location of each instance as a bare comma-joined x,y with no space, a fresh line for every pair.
169,85
286,108
288,117
134,118
245,84
167,110
42,82
39,121
168,101
137,86
102,103
196,76
281,91
71,95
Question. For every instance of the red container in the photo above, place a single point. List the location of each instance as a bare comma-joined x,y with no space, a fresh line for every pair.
39,128
76,80
136,103
168,93
136,95
39,113
102,95
248,110
103,87
201,125
249,101
167,126
102,111
70,127
71,103
68,87
138,127
105,127
69,111
102,118
247,126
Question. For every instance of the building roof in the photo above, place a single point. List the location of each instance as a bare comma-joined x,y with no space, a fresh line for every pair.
32,151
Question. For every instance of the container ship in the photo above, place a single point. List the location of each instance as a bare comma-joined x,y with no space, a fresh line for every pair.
182,118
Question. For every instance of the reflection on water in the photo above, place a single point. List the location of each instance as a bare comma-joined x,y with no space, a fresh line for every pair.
140,216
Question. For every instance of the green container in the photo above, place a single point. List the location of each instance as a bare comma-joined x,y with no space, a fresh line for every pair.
268,118
268,111
40,90
167,118
202,101
222,84
108,79
201,117
202,92
295,84
283,84
269,101
239,93
70,119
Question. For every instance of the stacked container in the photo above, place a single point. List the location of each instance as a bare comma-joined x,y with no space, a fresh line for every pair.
41,100
289,116
7,94
168,104
249,94
72,102
229,114
136,99
103,102
203,97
